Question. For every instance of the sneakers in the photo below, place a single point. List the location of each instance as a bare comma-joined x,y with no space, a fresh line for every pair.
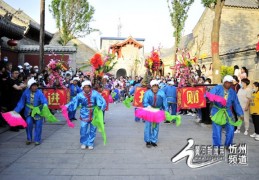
90,147
246,133
257,137
193,114
37,143
28,142
189,114
153,144
237,131
83,146
167,122
148,144
87,147
253,135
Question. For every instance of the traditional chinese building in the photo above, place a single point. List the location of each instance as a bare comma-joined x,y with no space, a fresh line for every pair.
19,35
129,54
25,47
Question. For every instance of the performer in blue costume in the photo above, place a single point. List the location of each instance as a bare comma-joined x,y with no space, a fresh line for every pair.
153,98
32,97
171,97
74,90
88,99
232,101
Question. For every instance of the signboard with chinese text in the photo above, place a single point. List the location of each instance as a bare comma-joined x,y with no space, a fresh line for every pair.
138,96
56,97
191,97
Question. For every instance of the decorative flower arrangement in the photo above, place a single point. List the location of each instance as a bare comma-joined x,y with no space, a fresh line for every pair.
108,63
100,66
184,64
96,61
153,61
55,80
56,65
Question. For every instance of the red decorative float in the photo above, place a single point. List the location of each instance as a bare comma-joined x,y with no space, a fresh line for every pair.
191,97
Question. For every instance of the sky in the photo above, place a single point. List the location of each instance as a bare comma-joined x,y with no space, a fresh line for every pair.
148,19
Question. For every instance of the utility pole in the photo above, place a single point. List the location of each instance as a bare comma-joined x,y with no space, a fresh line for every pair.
42,33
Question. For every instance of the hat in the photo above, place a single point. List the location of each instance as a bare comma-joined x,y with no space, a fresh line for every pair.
154,82
170,82
31,82
228,78
86,83
105,77
20,67
76,79
5,59
36,67
26,64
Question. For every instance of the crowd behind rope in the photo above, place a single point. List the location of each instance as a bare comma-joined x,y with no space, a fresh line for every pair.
13,81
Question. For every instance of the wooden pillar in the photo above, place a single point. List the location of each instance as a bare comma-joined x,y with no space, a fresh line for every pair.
42,34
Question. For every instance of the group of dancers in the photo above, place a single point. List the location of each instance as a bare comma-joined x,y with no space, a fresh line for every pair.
154,98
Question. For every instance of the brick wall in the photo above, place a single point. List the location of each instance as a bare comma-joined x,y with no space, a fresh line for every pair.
239,28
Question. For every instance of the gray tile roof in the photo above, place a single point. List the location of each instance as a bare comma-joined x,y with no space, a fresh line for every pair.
11,30
47,48
243,3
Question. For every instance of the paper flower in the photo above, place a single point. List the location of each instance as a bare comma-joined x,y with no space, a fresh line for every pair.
96,61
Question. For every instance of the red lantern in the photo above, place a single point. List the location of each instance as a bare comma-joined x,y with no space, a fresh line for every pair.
12,42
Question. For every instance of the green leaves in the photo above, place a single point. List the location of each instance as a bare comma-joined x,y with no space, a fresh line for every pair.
208,3
72,18
226,70
179,13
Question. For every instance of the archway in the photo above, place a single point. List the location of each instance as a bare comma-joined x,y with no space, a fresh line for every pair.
121,72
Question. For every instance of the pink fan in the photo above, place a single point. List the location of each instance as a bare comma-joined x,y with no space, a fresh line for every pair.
150,114
14,119
216,98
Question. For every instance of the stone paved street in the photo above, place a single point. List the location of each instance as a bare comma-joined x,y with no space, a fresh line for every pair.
124,157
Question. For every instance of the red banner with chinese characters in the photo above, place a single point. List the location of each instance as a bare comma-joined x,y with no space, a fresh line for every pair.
138,96
191,97
105,95
56,97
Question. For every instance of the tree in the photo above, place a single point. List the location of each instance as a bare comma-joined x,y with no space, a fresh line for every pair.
72,18
179,13
216,6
